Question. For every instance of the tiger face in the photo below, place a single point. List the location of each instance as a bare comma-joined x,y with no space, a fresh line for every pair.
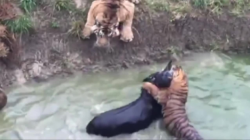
104,17
102,29
167,82
179,76
104,33
106,26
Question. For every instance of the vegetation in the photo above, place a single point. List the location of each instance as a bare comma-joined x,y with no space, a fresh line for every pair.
237,7
55,25
21,25
158,5
67,5
28,5
76,29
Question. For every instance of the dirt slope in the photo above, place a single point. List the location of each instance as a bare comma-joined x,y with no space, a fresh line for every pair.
158,36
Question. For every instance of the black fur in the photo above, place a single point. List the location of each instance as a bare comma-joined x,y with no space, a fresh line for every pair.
128,119
163,78
133,117
160,79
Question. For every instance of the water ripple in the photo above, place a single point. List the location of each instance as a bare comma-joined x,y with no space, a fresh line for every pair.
60,109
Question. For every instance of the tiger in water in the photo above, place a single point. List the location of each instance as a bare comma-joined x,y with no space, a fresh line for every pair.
173,100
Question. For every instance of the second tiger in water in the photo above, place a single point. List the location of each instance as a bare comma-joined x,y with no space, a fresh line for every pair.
173,100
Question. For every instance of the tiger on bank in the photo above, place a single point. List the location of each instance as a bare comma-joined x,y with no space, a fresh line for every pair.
105,17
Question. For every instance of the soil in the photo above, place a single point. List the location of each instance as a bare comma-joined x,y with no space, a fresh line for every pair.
158,37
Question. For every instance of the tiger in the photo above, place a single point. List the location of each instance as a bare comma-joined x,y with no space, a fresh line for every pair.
173,100
106,16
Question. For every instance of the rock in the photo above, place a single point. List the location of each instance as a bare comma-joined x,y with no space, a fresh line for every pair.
3,99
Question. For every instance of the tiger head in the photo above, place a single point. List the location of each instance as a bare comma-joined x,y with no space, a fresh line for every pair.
106,24
179,76
167,82
179,83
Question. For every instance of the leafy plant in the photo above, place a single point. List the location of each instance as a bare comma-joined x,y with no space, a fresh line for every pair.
64,5
54,25
20,25
200,3
76,28
28,5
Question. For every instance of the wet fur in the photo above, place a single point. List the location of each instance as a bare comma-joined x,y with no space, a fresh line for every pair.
133,117
108,14
173,100
128,119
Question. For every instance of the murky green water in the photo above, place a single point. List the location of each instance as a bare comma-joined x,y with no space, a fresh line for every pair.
217,105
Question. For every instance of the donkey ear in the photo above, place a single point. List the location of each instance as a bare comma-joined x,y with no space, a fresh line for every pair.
169,65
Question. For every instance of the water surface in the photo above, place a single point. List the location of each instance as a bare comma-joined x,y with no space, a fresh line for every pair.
61,108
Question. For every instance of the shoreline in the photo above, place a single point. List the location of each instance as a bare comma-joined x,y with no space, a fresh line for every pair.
49,49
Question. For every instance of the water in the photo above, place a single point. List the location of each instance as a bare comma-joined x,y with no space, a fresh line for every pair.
60,109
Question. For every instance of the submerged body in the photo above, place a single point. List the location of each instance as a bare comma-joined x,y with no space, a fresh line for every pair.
131,118
135,116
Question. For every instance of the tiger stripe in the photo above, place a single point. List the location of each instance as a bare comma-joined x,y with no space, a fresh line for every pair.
173,100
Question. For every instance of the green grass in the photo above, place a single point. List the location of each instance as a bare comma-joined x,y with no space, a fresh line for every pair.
237,7
241,6
216,6
76,29
21,25
158,5
64,5
28,5
55,25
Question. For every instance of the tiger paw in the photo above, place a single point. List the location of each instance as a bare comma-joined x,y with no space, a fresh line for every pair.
86,32
127,35
94,29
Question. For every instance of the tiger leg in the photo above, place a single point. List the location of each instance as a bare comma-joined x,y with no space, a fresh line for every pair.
155,92
88,28
126,32
177,122
151,88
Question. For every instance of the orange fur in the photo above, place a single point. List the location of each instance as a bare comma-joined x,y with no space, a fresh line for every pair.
173,100
109,13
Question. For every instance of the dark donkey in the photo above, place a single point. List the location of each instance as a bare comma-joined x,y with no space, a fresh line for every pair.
135,116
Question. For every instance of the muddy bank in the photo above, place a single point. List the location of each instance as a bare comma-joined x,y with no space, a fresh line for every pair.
47,51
